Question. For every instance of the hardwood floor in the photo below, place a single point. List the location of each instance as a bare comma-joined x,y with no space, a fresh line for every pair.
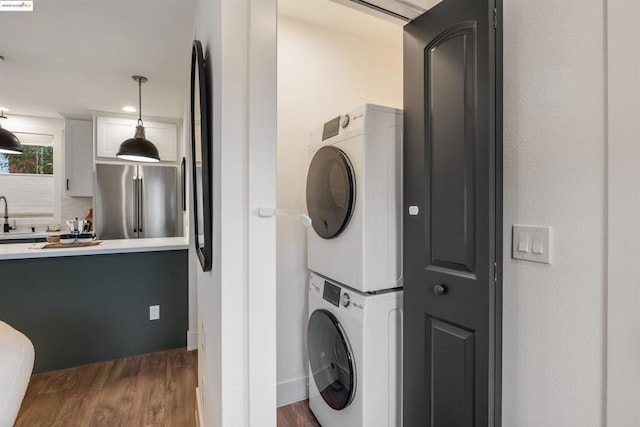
155,389
297,415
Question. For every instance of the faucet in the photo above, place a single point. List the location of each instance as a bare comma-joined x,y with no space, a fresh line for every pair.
6,214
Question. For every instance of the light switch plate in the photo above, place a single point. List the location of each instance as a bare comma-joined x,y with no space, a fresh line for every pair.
531,243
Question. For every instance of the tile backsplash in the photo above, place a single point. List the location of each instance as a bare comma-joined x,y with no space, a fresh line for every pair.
73,207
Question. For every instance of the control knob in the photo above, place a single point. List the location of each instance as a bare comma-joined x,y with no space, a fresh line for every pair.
345,121
346,300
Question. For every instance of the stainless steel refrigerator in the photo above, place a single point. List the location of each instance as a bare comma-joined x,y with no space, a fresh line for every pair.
137,201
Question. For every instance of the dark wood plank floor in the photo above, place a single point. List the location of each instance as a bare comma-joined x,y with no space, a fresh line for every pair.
155,389
297,415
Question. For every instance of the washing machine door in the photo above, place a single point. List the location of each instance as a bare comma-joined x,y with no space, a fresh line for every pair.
331,360
331,191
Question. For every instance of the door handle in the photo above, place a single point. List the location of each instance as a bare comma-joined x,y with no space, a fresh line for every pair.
440,289
67,184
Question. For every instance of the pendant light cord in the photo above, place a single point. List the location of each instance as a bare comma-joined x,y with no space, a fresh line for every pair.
140,102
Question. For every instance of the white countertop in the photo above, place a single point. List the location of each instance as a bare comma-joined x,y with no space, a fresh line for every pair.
25,250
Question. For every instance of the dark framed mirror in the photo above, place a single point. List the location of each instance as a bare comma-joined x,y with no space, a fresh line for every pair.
201,156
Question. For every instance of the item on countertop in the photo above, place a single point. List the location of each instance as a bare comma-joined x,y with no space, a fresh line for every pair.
89,218
76,238
76,225
65,246
85,237
67,238
53,227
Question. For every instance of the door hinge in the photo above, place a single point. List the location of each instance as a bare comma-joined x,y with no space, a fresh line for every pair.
495,18
495,272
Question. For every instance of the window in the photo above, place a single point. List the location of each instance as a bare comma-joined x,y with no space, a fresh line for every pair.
27,179
35,159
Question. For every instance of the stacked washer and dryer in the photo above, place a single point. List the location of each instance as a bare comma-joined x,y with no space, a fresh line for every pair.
354,252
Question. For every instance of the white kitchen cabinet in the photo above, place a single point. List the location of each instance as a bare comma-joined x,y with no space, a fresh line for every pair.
78,157
111,132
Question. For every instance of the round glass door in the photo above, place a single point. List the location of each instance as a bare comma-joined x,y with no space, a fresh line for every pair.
330,359
331,191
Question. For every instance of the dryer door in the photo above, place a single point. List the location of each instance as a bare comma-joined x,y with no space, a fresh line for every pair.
331,191
331,360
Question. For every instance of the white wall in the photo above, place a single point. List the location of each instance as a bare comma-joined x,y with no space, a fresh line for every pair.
209,300
322,72
623,296
554,174
236,300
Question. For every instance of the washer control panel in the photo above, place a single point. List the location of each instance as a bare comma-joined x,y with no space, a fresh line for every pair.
331,293
335,294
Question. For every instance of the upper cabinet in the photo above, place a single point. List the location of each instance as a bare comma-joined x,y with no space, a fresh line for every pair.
78,157
111,132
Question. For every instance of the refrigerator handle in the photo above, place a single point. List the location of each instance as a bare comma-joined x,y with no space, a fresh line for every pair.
135,202
183,175
140,207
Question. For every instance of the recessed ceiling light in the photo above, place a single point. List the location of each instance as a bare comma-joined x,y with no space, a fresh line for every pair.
129,109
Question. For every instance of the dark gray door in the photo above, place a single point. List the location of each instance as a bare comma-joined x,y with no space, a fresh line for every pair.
452,218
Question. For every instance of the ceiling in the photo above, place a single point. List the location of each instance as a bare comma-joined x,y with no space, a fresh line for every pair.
74,57
342,18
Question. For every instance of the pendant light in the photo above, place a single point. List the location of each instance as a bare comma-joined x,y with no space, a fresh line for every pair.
9,143
139,148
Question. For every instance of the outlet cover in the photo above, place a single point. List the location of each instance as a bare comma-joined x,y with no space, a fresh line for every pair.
154,312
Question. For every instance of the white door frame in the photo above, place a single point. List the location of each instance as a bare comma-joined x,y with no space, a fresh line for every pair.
623,272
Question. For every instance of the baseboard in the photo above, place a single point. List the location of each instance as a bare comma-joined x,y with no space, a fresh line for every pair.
199,408
192,340
293,391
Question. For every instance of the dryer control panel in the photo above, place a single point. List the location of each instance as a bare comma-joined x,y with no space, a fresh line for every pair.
344,125
331,128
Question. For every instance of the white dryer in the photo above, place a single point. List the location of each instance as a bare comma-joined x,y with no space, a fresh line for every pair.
354,344
354,196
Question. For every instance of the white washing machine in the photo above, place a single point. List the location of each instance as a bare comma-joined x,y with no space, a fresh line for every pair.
354,344
354,196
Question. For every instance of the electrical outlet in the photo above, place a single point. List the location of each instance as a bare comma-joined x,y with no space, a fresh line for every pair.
154,312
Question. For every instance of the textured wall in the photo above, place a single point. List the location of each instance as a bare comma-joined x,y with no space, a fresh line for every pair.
322,72
623,270
554,174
